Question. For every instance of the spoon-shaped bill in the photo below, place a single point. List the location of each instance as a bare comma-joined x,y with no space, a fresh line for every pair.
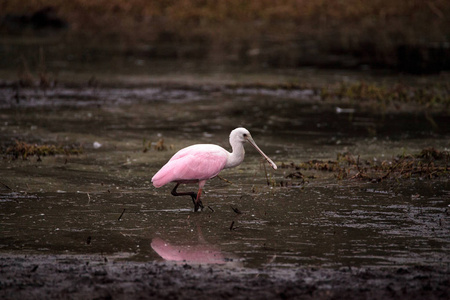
252,142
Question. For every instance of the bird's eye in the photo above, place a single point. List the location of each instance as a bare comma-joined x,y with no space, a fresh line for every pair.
245,135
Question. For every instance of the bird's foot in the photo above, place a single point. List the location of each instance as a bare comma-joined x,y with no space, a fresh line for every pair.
198,205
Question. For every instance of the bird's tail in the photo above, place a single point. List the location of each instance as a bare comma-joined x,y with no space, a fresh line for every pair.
161,178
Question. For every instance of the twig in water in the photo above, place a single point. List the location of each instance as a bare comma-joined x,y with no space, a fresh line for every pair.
224,179
357,165
17,95
236,210
34,268
231,226
272,259
120,217
265,171
6,186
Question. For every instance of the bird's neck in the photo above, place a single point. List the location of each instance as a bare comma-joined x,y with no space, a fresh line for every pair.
236,157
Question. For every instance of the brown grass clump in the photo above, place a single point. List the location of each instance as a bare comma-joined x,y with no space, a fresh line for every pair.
430,94
158,145
428,164
24,150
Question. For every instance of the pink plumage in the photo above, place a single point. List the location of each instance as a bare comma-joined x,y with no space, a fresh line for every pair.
192,164
198,163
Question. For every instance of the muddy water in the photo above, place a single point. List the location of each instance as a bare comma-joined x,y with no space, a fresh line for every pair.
102,201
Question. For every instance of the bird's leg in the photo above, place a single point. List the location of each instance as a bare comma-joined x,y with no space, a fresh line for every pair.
192,194
198,203
195,197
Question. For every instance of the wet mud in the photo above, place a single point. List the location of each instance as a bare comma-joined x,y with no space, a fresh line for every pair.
90,224
88,277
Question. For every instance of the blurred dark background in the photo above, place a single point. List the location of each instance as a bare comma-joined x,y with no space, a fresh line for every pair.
410,36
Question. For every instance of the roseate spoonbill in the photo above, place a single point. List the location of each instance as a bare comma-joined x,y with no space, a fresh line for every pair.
198,163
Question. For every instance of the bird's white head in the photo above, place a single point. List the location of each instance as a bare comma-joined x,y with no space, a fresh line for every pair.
239,134
242,135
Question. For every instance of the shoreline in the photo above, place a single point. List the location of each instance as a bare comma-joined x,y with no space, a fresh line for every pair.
95,277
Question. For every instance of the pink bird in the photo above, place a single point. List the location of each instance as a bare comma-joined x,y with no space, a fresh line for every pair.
198,163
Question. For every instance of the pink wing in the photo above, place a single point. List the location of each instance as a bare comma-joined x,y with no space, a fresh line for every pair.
192,164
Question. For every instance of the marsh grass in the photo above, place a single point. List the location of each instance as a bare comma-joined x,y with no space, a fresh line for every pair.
276,33
430,94
428,164
38,76
158,145
26,78
25,150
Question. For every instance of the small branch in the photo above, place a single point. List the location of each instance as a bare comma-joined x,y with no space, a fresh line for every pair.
226,180
267,177
231,226
357,165
6,186
236,210
120,217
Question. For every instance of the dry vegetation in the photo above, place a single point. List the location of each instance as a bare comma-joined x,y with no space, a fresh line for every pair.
282,33
24,150
430,94
428,164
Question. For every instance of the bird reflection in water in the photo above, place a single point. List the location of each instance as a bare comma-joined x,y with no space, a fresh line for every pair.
197,253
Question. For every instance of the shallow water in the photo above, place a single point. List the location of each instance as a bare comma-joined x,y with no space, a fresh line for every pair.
102,201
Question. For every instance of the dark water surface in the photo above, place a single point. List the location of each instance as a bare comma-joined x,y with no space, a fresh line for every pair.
102,201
